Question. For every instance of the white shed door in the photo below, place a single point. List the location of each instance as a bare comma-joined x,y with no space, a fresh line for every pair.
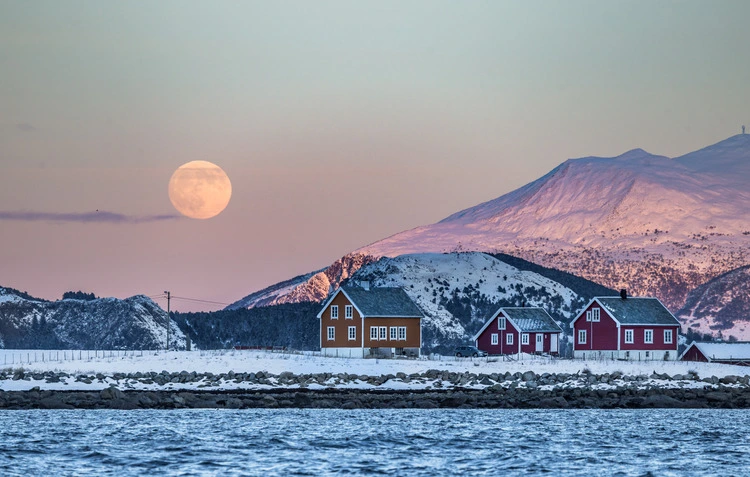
553,343
540,342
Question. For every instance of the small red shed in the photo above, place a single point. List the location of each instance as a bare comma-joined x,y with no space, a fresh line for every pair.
726,353
512,330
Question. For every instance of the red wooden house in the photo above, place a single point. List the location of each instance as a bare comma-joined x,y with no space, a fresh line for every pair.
359,321
625,327
514,330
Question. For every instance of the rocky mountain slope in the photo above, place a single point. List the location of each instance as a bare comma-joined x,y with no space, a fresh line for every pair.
722,305
103,323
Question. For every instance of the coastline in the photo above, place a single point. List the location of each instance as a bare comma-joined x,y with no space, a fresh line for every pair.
431,389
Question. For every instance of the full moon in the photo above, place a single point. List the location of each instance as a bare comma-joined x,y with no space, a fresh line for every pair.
200,190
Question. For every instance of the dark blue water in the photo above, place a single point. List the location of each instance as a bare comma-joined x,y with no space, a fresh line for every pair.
376,442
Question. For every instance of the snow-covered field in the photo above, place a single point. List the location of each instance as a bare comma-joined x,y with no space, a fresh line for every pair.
109,363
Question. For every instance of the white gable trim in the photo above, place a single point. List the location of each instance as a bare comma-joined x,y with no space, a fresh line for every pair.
688,349
583,310
494,317
328,302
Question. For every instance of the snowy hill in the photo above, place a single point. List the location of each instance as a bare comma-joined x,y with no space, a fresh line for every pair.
103,323
720,305
458,291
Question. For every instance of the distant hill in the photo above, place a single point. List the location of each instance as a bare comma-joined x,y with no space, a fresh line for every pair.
291,325
99,323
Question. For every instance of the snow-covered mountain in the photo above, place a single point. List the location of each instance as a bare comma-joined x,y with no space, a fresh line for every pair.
722,305
103,323
653,225
458,291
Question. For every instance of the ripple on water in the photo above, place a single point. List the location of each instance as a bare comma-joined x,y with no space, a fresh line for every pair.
382,442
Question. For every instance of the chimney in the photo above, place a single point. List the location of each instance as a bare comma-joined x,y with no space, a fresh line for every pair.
365,284
624,294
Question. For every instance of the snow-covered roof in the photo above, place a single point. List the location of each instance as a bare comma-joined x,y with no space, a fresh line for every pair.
637,311
525,319
532,320
723,351
379,302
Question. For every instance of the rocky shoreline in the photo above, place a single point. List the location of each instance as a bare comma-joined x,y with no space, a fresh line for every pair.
431,389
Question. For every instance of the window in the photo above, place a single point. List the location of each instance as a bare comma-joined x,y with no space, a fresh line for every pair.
648,336
331,333
334,312
373,332
595,314
501,323
352,333
402,333
509,338
629,336
581,336
394,333
648,354
383,332
627,354
349,312
667,336
525,338
588,315
494,338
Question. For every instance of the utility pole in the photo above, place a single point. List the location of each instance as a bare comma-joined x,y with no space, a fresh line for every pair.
169,297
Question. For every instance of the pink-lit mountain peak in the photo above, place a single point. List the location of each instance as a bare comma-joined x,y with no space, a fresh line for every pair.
602,202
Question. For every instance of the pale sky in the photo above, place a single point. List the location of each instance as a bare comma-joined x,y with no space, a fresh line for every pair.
338,123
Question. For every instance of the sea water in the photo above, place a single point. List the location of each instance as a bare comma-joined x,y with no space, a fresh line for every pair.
377,442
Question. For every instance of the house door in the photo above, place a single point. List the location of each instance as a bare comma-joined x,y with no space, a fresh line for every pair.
539,342
553,343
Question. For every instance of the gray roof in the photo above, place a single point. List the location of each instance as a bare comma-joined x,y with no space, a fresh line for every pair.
532,320
383,302
637,311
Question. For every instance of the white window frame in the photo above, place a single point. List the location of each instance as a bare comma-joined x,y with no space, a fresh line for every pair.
668,336
494,339
374,333
581,336
334,312
352,333
596,314
394,333
646,334
629,336
402,333
509,338
524,338
383,333
349,312
588,315
501,323
331,333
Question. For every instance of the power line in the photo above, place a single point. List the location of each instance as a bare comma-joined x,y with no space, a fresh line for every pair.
200,301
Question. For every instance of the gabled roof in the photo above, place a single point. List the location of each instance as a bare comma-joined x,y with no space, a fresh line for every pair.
532,320
384,302
722,351
525,320
633,311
